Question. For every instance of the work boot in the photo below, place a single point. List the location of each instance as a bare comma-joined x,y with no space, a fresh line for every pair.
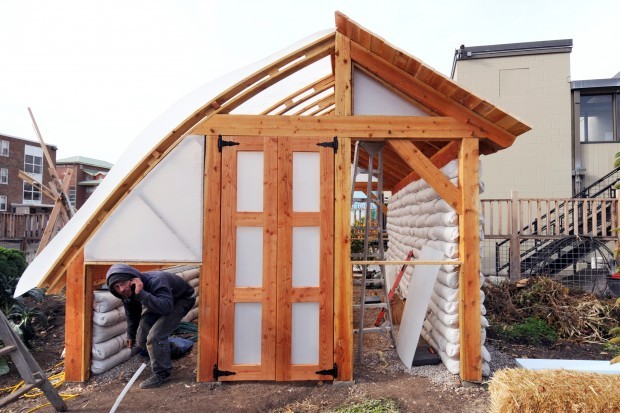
155,380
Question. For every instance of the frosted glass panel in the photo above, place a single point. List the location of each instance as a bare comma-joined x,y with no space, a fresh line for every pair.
306,181
305,341
248,333
306,256
250,167
249,257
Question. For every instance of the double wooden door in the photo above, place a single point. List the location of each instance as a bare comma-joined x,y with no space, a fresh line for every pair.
276,274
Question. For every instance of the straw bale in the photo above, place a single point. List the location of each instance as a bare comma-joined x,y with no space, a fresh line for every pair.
529,391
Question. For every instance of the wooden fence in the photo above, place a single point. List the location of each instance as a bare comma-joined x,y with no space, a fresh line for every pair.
22,227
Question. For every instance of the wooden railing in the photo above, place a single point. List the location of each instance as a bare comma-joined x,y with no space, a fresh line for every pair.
512,222
549,218
22,226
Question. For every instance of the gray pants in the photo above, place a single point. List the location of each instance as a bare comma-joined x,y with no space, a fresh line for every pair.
154,331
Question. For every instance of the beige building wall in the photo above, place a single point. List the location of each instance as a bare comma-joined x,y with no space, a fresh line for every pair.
536,89
598,160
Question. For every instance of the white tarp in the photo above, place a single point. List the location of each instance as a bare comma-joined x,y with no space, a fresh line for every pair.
418,297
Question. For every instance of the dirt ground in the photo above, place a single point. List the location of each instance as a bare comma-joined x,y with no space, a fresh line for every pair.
380,375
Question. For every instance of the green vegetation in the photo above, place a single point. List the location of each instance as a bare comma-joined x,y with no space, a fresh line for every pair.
12,266
532,331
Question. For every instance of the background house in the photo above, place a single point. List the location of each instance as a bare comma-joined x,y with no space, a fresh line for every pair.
17,196
532,81
548,204
87,175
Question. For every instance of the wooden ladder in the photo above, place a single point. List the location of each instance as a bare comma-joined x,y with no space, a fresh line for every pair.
373,200
28,368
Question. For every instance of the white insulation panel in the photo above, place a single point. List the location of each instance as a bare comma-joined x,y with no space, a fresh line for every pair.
161,218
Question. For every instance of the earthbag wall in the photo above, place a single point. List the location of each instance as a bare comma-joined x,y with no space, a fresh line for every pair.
417,216
110,324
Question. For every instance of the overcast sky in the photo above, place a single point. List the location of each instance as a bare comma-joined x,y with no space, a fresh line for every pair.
96,73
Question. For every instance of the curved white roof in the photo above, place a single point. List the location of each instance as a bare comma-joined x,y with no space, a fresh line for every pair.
135,154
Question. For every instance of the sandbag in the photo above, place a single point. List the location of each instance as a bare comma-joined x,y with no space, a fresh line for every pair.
101,366
194,282
105,349
109,318
104,301
191,315
103,333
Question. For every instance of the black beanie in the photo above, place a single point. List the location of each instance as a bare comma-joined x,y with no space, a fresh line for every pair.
117,278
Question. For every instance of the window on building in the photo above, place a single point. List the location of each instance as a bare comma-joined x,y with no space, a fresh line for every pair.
4,148
3,203
598,115
4,176
72,195
33,164
31,194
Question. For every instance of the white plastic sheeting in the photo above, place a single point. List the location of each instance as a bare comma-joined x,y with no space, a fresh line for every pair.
136,153
418,218
372,98
161,218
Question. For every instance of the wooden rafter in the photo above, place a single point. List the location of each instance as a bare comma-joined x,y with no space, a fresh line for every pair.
324,104
312,106
310,55
289,102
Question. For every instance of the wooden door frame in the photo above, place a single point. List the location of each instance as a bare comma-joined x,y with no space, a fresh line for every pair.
208,321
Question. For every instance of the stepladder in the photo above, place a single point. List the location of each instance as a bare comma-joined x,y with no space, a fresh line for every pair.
28,368
368,230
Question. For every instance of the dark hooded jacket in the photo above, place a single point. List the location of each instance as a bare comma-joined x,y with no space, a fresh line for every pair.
161,290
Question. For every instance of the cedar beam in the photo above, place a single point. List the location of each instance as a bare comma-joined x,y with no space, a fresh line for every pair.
208,329
78,321
470,324
363,127
343,274
439,159
429,172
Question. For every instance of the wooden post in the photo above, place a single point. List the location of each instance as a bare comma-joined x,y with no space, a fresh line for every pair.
208,313
470,323
343,276
515,247
78,321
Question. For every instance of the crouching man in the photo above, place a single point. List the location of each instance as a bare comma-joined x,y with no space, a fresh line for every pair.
166,299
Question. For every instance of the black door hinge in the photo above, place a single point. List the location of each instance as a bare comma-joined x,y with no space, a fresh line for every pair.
333,144
330,372
221,143
217,373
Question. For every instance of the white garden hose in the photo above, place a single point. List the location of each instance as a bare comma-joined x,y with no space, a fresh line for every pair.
126,389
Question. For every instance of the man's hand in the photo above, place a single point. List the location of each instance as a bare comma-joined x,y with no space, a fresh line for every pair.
138,285
130,342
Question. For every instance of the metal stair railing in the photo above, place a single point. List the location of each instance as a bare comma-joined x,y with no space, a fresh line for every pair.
602,186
